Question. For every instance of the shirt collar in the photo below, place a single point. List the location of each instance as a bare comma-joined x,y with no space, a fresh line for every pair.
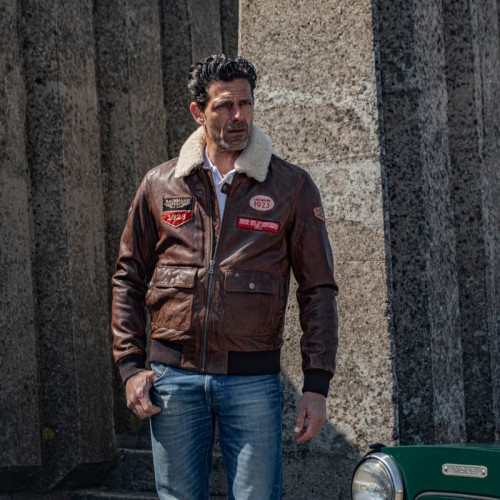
217,177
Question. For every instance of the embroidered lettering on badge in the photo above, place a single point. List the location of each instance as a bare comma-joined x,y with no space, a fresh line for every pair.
262,202
258,225
319,213
177,211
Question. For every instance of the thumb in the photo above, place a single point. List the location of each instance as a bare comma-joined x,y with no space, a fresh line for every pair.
300,421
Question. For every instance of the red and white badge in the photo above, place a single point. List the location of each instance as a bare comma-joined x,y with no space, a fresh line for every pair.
177,211
177,218
262,203
258,225
319,213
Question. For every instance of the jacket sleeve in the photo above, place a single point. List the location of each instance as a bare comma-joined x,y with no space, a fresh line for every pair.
312,265
134,267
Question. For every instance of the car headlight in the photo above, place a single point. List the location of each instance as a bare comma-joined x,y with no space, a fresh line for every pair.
377,477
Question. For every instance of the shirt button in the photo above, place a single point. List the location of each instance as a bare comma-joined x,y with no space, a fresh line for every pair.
251,286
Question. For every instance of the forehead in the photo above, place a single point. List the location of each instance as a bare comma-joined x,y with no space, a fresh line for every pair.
239,89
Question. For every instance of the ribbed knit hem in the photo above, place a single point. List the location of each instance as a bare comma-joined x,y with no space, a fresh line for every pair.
317,381
130,366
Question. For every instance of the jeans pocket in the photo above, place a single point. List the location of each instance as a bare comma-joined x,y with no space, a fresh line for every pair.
160,371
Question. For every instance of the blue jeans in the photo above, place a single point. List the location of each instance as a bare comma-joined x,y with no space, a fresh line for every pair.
247,410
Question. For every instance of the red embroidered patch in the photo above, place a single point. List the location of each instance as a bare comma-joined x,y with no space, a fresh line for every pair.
258,225
177,218
319,213
177,211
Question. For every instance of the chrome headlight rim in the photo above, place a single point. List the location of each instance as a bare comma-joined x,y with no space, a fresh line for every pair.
392,469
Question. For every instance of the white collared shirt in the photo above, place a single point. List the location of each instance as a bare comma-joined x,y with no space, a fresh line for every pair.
219,182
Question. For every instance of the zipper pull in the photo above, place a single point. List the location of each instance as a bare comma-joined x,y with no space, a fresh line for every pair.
212,266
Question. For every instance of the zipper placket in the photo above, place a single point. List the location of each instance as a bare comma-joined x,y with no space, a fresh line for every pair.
211,266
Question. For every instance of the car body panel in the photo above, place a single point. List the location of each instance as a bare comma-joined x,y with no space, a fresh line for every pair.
474,469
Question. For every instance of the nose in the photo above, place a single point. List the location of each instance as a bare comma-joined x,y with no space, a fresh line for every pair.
237,112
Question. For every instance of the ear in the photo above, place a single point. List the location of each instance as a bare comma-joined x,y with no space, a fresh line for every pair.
197,113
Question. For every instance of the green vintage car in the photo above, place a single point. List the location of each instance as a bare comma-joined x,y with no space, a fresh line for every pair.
451,472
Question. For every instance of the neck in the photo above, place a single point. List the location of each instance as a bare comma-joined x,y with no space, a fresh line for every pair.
224,160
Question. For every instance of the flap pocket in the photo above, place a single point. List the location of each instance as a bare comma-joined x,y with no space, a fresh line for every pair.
174,277
251,282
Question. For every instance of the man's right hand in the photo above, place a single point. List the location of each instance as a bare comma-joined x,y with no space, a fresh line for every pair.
137,393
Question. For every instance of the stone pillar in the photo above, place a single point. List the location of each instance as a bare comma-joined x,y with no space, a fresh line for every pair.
133,133
191,30
317,99
472,86
20,437
420,231
68,264
393,108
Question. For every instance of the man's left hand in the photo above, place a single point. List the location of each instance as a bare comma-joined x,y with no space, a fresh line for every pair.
311,415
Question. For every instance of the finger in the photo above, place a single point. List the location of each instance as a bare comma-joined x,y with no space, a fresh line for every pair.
312,430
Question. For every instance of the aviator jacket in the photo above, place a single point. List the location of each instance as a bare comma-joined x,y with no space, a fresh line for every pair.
217,293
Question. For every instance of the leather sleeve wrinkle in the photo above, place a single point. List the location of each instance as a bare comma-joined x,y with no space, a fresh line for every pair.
135,264
312,265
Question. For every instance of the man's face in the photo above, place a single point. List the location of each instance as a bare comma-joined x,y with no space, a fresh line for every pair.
228,115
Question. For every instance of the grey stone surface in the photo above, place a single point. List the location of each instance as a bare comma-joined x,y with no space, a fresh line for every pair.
473,128
391,105
69,270
317,100
191,30
20,443
229,17
421,237
132,120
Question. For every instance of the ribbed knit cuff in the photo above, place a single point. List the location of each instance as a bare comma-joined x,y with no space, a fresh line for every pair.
130,366
317,381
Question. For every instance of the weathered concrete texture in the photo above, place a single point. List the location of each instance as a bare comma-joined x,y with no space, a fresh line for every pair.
132,118
20,444
68,265
229,17
473,124
191,30
316,98
420,234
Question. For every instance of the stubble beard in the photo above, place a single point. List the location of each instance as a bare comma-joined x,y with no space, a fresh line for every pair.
235,145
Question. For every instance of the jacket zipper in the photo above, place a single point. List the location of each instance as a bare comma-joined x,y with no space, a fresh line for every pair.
211,267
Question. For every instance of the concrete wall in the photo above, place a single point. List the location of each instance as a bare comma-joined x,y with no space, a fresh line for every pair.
90,93
391,105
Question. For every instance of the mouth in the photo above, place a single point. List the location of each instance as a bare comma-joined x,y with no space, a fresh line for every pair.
237,129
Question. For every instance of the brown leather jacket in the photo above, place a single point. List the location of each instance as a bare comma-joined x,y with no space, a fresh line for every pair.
217,293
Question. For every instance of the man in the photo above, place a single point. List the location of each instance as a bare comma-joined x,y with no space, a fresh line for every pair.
208,247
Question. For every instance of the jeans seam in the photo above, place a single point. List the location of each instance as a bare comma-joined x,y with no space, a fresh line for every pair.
208,460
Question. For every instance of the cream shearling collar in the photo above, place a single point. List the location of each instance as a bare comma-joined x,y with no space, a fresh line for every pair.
253,160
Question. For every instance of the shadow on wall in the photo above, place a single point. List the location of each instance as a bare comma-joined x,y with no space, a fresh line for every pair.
320,469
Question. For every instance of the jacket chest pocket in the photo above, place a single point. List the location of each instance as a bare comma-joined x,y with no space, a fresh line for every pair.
250,303
170,301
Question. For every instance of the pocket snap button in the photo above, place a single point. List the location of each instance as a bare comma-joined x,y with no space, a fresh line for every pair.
251,286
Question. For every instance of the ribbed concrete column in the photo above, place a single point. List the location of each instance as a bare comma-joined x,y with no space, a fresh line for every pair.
421,233
317,99
191,30
375,99
132,116
20,437
473,86
132,124
69,271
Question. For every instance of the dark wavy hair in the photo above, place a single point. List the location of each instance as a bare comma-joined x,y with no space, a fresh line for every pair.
214,68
